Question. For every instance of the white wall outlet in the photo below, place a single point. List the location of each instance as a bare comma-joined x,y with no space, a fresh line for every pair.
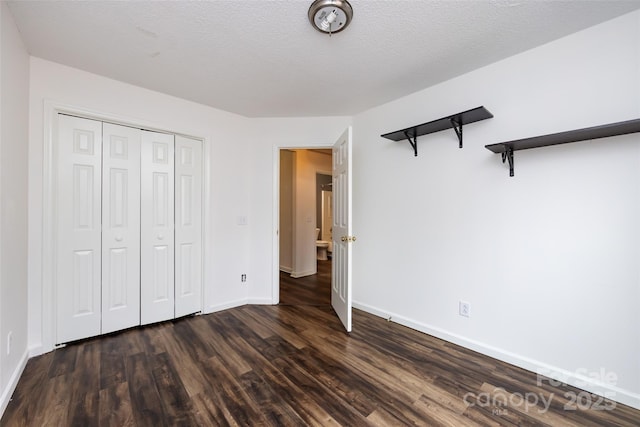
464,309
9,339
243,278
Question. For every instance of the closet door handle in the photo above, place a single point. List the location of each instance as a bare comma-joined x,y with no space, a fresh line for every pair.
160,236
118,238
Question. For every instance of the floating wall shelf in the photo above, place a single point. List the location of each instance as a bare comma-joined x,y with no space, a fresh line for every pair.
454,121
603,131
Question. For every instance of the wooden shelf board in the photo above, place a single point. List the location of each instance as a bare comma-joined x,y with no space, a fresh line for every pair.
463,118
603,131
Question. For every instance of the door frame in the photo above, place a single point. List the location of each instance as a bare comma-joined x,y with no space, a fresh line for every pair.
49,218
275,279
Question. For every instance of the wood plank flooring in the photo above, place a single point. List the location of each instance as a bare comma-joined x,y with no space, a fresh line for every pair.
308,290
287,365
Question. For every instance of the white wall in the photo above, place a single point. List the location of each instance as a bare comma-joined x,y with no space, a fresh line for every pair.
267,136
226,242
14,115
548,259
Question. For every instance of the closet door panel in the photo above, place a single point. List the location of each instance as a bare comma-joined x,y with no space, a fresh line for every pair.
78,231
120,227
188,225
157,227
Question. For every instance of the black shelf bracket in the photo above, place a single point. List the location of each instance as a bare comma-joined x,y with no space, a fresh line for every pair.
413,142
454,121
508,155
457,126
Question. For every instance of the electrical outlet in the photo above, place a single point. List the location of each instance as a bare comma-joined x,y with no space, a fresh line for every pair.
243,278
9,339
464,309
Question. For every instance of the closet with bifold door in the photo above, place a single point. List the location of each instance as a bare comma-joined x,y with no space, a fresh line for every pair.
129,227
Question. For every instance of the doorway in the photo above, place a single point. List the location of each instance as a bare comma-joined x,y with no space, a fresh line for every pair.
305,247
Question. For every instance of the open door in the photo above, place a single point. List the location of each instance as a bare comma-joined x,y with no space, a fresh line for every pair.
342,238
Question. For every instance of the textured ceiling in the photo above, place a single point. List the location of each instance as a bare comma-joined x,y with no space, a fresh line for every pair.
262,58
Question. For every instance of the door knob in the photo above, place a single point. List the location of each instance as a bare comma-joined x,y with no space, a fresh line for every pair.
160,236
118,238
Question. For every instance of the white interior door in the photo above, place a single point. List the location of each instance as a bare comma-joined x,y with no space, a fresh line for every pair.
78,233
342,238
157,228
120,227
188,226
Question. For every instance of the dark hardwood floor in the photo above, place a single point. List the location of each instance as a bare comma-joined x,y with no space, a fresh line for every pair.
288,365
308,290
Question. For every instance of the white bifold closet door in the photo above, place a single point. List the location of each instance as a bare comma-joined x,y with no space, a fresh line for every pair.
171,227
129,228
78,234
157,228
188,223
120,227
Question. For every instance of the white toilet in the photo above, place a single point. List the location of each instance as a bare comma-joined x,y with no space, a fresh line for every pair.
322,247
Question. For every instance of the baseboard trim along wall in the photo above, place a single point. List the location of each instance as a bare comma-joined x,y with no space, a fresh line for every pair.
227,305
36,350
13,382
260,301
572,378
299,274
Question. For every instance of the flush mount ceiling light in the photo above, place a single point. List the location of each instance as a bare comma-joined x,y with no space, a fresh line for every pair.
330,16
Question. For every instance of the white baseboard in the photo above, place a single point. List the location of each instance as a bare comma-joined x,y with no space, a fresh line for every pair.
36,350
260,301
583,382
299,274
13,382
225,306
287,270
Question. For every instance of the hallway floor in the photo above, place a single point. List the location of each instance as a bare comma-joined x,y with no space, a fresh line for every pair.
309,290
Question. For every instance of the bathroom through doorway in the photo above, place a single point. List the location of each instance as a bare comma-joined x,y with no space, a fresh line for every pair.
305,216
